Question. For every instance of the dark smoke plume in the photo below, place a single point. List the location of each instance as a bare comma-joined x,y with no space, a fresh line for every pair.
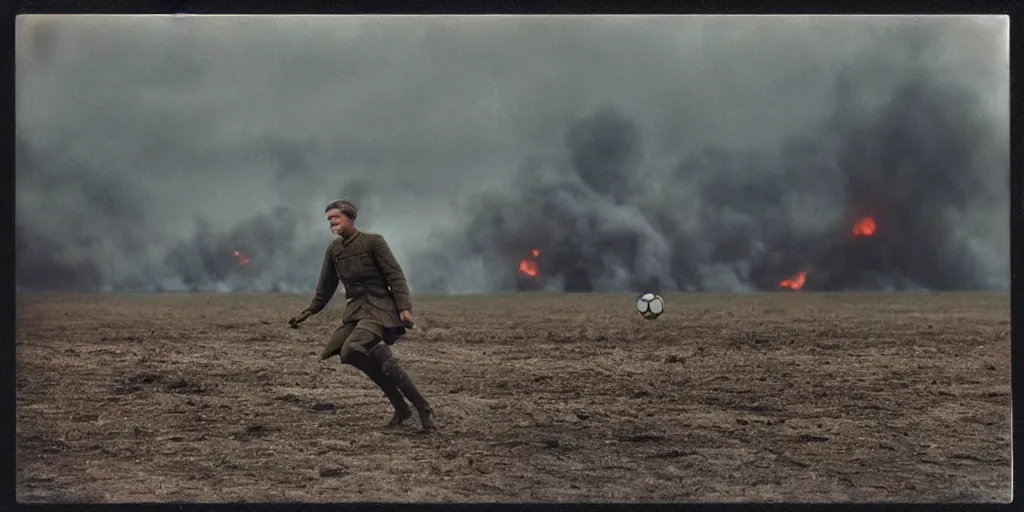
919,165
631,153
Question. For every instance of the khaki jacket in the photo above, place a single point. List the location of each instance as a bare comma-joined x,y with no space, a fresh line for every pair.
375,286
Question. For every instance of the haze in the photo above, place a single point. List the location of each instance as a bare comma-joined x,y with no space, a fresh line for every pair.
703,153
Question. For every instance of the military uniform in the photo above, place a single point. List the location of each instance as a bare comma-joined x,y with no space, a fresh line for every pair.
375,292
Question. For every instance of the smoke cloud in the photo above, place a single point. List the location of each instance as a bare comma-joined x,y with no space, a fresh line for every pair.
634,153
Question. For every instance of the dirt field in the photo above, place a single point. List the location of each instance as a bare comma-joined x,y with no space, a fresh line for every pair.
778,397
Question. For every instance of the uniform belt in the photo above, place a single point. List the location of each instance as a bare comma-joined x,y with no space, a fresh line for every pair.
353,290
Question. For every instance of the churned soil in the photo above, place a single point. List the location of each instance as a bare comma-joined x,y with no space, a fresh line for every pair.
760,397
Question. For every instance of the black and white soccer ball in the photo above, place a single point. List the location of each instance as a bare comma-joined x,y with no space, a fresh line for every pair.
650,306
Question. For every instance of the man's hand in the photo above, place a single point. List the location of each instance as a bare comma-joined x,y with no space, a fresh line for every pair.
406,317
296,320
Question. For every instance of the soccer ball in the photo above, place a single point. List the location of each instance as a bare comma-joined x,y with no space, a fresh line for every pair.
650,306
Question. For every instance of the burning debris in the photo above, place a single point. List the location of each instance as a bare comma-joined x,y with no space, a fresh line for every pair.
240,258
864,227
528,266
795,283
528,277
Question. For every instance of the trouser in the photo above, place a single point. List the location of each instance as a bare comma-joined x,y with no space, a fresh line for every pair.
359,344
351,338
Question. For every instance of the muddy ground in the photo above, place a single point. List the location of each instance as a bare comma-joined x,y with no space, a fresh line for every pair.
776,397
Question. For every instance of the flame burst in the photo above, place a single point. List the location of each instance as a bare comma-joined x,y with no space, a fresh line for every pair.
796,283
242,260
864,227
527,266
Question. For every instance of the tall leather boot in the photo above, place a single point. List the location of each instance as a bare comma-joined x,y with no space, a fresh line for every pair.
373,370
394,371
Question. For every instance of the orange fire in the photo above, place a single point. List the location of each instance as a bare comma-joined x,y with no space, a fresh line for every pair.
528,267
796,283
242,260
864,227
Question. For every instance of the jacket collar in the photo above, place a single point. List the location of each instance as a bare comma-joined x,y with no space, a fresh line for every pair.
349,240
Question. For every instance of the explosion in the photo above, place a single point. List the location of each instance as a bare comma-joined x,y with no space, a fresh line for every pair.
528,266
796,283
864,227
242,260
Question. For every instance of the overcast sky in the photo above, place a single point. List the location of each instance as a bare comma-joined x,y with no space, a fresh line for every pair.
224,117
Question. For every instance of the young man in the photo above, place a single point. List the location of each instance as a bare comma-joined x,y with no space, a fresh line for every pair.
377,310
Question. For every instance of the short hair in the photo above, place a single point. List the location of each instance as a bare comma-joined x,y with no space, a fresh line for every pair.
348,208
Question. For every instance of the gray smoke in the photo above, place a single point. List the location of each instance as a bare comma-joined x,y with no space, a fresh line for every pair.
634,153
924,159
925,166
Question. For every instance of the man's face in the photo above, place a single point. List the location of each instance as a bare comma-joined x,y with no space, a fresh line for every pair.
338,221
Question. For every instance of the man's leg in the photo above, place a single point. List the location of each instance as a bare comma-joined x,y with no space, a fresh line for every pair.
337,340
344,342
376,374
382,353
